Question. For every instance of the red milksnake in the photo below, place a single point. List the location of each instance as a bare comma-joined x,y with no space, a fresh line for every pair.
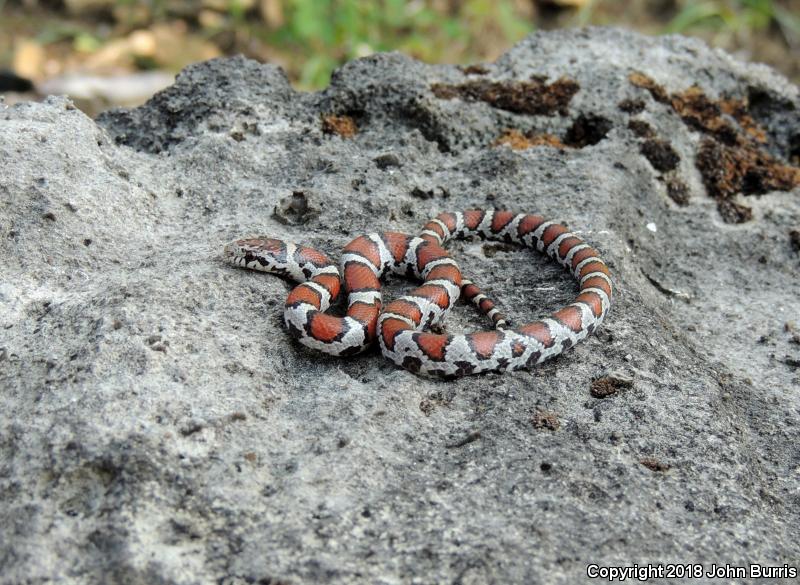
400,325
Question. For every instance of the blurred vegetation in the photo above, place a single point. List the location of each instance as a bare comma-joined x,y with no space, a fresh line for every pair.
329,32
309,38
737,17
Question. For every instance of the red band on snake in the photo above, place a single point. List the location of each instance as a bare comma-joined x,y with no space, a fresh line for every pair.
400,326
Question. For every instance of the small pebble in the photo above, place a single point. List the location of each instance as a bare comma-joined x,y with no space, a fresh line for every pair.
384,161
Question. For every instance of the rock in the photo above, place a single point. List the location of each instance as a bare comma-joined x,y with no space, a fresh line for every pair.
160,426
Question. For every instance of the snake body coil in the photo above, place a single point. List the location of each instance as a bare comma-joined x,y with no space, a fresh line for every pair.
401,325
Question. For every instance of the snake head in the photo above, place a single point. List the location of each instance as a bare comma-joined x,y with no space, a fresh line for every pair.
258,253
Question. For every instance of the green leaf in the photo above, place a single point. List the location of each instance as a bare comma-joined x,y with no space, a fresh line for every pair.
694,14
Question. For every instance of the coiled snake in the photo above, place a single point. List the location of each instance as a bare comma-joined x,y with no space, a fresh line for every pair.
401,326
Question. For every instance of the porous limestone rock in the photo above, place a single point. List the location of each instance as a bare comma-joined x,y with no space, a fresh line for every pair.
160,426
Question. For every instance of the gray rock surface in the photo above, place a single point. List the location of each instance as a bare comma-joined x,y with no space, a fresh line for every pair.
159,426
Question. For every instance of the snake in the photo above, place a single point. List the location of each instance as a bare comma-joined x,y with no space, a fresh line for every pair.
408,328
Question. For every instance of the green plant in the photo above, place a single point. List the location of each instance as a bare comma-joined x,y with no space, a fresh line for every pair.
330,32
734,16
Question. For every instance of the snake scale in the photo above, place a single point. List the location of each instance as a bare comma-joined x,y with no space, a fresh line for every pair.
402,326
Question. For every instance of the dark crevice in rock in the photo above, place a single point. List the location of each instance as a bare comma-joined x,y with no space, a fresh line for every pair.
780,119
587,130
794,149
641,128
678,191
794,239
632,105
660,154
296,209
418,115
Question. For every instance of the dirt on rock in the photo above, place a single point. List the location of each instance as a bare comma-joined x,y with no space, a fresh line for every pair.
534,96
732,157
